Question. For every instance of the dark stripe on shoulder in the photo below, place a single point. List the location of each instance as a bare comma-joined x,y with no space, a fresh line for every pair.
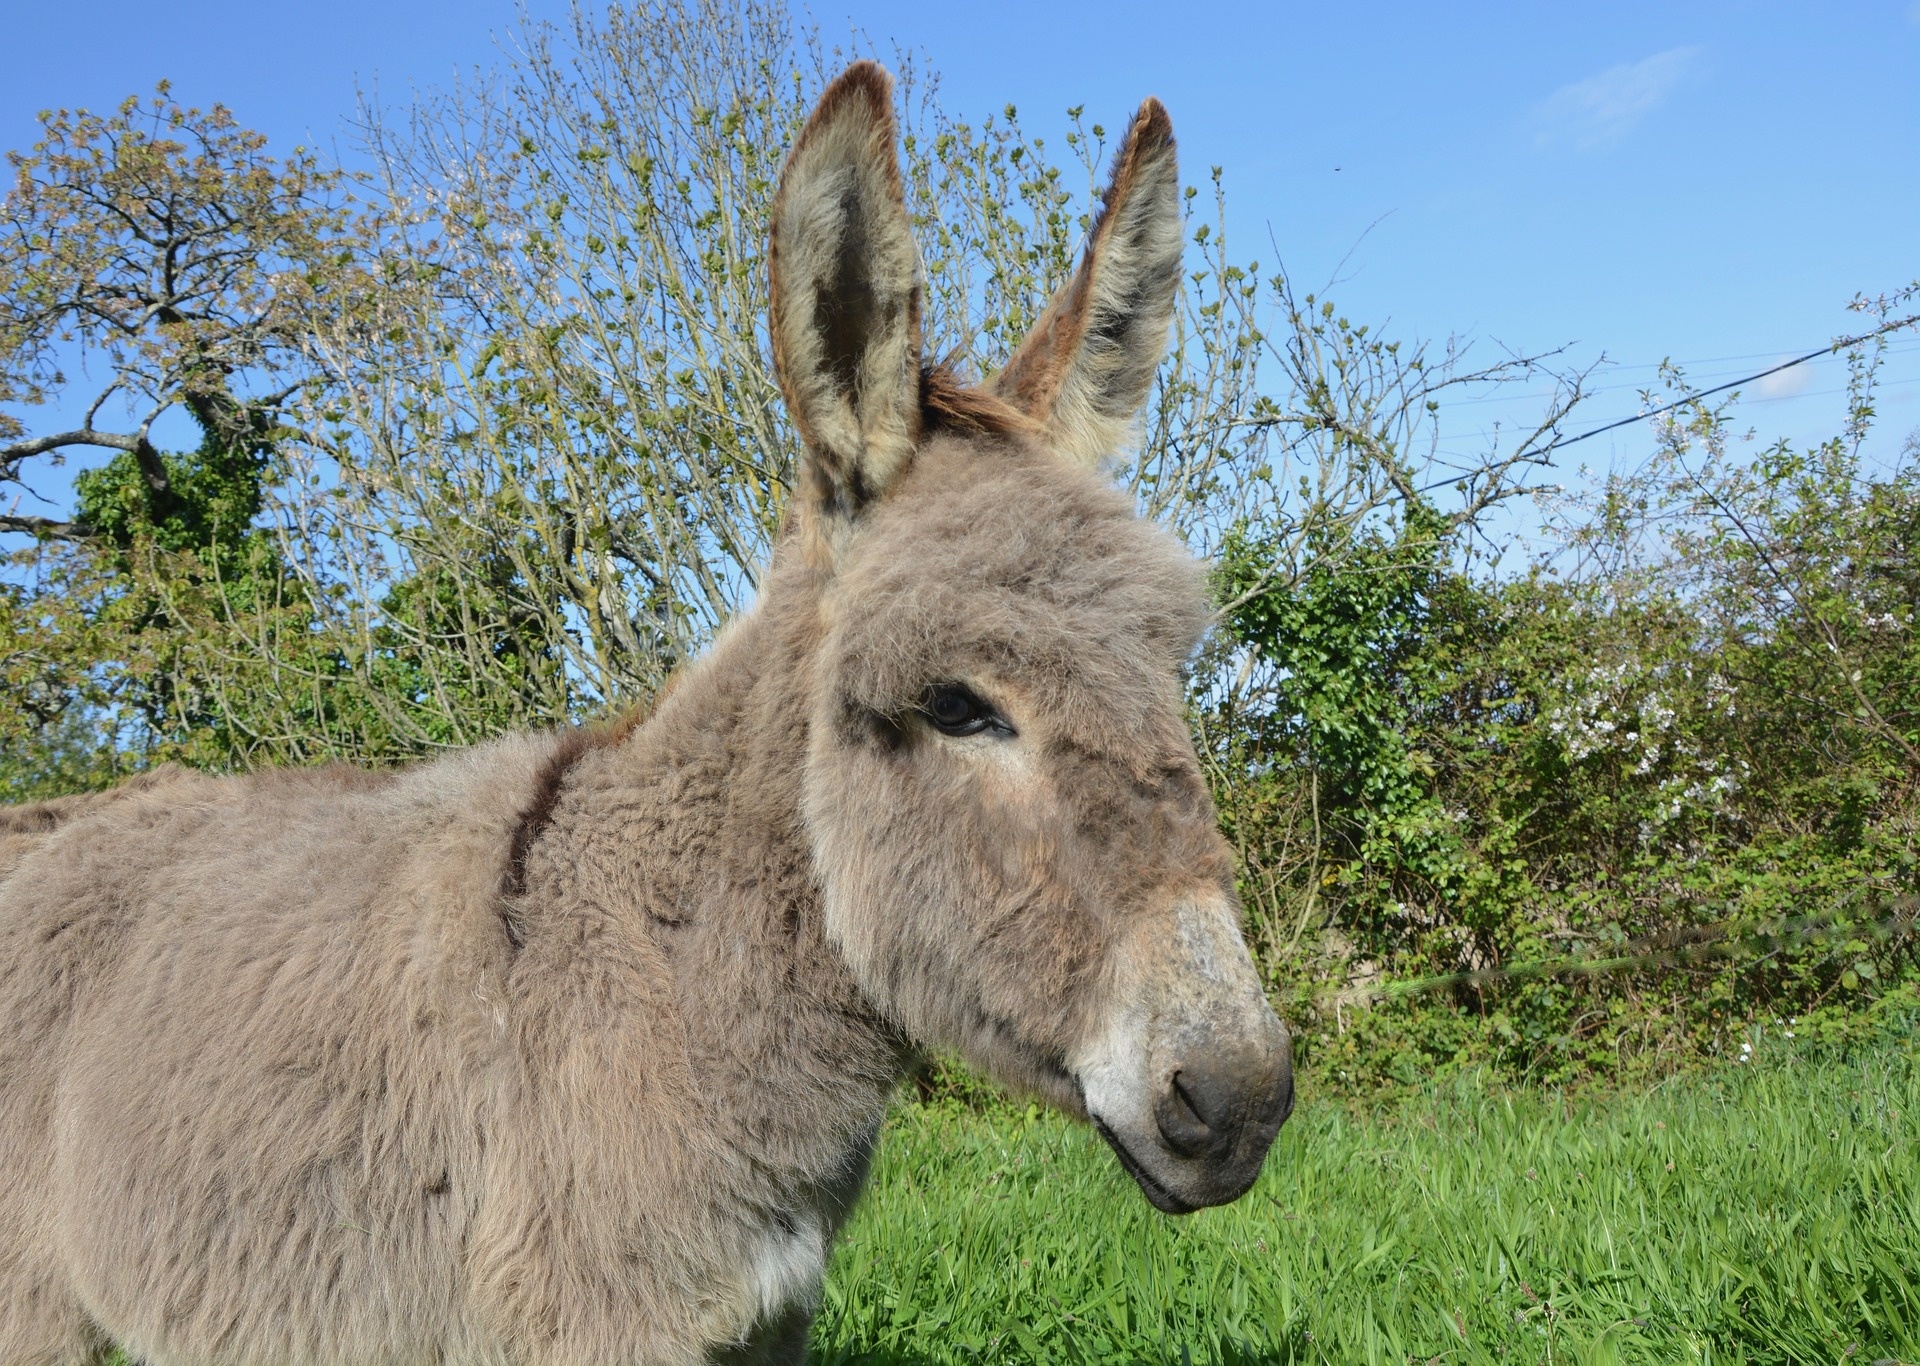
548,782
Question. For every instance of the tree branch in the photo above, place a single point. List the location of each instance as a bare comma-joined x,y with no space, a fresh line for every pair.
84,436
142,449
45,528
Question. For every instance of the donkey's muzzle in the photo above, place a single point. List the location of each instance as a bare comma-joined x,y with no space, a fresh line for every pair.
1210,1124
1214,1118
1192,1076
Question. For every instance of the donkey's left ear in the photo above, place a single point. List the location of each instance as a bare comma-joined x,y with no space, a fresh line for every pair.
845,285
1086,367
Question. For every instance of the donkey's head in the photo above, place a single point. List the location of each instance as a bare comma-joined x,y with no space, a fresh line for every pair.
1018,854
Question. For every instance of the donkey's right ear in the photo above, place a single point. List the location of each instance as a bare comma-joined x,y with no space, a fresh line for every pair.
1089,362
844,276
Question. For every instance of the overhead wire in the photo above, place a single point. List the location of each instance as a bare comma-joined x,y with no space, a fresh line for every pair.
1896,348
1540,453
1832,348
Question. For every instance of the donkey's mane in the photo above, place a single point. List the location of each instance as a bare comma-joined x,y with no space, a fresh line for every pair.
951,405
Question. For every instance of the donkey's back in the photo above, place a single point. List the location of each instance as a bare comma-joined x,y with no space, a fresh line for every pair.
26,827
234,1051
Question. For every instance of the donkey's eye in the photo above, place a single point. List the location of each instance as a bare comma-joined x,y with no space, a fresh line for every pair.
954,710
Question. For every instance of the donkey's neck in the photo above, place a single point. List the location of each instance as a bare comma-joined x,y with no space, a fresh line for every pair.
681,852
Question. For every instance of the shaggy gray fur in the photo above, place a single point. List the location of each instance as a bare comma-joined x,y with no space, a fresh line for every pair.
573,1048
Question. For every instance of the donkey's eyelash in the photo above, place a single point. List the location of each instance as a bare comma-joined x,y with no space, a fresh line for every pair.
955,709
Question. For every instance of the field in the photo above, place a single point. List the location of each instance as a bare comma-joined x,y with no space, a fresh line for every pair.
1765,1212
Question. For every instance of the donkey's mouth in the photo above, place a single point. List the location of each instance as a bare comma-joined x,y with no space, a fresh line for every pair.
1157,1195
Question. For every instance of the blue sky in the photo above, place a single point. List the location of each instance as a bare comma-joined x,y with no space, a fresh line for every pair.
1709,182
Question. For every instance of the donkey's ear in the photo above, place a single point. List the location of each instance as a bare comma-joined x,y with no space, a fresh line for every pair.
845,285
1086,367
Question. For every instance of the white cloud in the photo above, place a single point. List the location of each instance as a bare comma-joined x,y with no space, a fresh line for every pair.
1602,108
1786,383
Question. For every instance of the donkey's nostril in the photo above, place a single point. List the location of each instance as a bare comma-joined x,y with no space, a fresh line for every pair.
1181,1114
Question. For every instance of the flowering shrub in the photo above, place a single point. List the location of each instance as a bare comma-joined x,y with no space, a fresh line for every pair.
1597,819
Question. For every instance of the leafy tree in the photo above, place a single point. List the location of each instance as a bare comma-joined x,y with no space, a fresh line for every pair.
164,247
567,378
1606,811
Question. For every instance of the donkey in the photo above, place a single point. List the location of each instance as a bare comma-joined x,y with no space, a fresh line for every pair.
574,1047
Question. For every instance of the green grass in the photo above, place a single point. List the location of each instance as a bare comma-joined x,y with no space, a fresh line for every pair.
1761,1213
